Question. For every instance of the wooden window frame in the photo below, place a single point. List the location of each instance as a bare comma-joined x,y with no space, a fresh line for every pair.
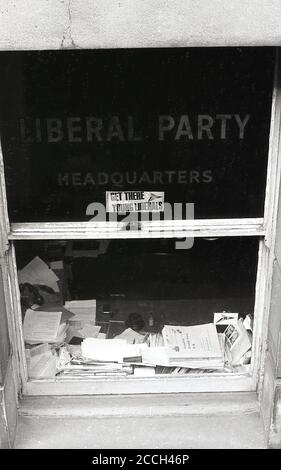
264,228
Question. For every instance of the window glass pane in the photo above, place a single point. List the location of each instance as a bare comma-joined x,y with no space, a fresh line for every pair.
138,286
192,123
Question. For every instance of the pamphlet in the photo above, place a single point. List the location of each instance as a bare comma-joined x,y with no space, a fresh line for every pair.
41,327
38,272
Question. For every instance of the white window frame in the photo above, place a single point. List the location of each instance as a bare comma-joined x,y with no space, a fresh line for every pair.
264,228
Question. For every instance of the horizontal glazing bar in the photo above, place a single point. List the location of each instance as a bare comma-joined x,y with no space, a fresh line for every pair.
152,229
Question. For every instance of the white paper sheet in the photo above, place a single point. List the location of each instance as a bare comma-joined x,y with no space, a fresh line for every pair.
140,371
225,318
38,272
89,331
84,310
57,265
41,326
238,341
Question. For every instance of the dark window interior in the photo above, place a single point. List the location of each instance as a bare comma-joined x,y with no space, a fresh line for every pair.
193,123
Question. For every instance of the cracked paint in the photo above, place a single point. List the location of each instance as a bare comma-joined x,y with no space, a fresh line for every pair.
67,41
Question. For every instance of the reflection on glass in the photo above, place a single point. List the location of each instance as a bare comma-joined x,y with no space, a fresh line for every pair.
193,123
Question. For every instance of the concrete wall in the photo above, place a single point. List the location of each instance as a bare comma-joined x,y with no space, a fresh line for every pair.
52,24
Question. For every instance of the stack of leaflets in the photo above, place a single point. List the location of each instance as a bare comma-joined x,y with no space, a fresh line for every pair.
237,341
195,347
43,327
84,311
131,336
79,366
37,272
155,339
41,361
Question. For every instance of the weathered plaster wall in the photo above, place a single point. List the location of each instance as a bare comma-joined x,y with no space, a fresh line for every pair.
51,24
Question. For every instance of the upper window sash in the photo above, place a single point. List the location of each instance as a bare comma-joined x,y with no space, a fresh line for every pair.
173,229
76,124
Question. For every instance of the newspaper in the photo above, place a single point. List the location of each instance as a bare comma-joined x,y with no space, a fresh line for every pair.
131,336
225,318
38,272
237,341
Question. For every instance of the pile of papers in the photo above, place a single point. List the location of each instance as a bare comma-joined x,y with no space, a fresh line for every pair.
121,351
195,347
155,339
237,335
176,350
183,347
37,272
